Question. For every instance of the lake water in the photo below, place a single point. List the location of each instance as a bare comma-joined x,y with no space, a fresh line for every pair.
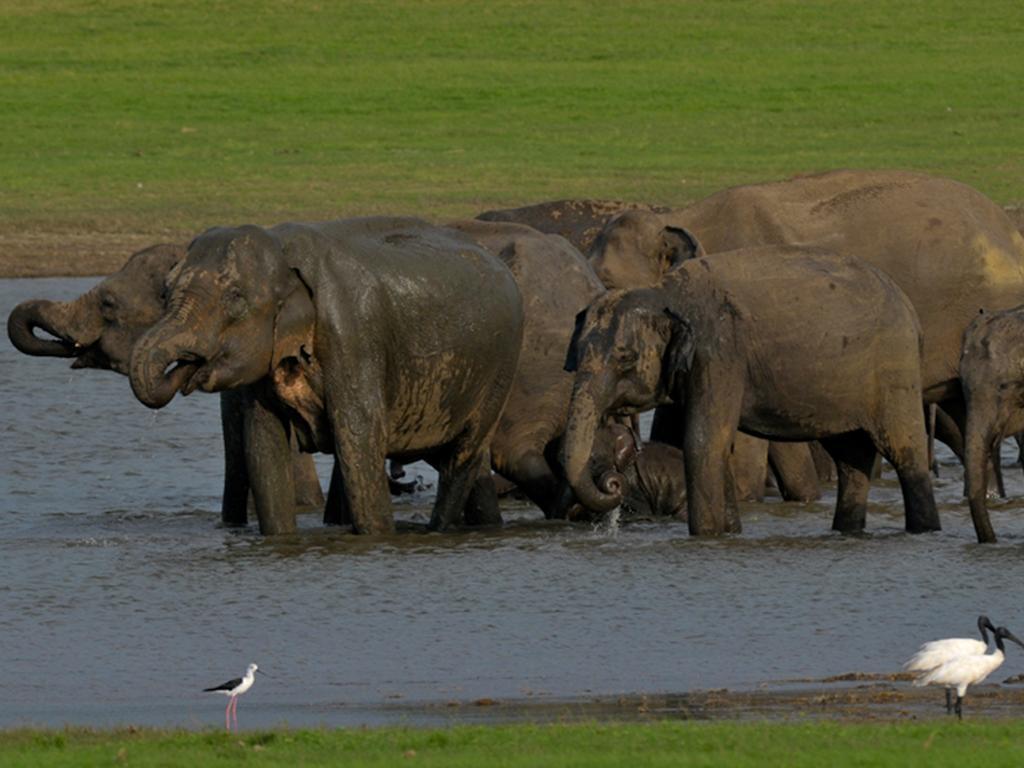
121,597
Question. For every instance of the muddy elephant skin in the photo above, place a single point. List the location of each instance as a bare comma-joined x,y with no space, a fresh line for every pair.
951,249
556,283
99,330
368,337
819,347
578,221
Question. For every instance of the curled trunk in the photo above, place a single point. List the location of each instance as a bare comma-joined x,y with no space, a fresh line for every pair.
577,447
28,316
981,436
162,364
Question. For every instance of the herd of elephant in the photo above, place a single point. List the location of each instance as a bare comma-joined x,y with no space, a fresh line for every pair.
781,331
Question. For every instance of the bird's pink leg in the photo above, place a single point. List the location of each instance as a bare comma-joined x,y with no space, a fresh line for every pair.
227,716
234,710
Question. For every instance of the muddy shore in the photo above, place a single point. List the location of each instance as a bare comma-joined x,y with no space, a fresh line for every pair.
850,697
80,253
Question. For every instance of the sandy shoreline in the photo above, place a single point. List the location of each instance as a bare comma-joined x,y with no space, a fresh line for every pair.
42,253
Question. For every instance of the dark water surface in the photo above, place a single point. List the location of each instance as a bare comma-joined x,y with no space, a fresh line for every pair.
121,597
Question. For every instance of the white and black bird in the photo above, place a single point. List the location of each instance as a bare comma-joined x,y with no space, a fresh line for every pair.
233,689
937,652
967,669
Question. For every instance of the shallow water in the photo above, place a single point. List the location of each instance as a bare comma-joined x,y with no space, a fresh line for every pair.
121,597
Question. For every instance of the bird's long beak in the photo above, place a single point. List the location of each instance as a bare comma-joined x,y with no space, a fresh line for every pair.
265,674
1011,636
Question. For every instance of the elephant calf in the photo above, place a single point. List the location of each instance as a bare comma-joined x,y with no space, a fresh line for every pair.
781,342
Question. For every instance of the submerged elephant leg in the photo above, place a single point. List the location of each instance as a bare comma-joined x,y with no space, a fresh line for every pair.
710,432
904,444
308,492
794,471
854,455
235,501
359,446
749,460
268,460
459,473
482,505
336,510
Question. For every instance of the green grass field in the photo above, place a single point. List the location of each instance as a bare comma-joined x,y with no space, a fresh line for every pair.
144,116
905,745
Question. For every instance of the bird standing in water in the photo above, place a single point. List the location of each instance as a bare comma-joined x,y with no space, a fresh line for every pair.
233,689
937,652
970,668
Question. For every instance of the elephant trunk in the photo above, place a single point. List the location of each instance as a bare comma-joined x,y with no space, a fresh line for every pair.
28,316
980,439
163,362
577,448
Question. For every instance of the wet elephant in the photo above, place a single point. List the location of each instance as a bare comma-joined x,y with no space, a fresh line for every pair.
580,222
650,477
99,330
992,379
951,249
369,338
556,283
819,347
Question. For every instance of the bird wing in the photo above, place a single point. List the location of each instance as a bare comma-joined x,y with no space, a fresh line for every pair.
938,652
964,670
230,685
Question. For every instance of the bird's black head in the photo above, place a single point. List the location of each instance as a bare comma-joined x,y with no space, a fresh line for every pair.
985,624
1002,633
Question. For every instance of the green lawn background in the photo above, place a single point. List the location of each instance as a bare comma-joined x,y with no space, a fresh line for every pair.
179,115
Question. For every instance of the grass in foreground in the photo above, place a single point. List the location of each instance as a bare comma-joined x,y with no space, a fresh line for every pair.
933,744
132,115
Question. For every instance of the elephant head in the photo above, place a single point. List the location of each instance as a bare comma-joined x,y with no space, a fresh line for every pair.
628,351
992,379
636,248
234,310
101,326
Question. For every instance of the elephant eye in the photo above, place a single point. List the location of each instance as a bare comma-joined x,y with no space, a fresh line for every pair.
235,304
108,306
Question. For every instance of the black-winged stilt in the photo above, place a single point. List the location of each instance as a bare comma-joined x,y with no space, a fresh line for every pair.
233,689
970,668
937,652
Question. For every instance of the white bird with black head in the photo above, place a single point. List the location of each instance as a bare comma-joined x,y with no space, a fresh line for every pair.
967,669
937,652
233,689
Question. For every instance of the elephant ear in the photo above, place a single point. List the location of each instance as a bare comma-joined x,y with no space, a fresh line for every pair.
678,245
294,324
572,357
679,352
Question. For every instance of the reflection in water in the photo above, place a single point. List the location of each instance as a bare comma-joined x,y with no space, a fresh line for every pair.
121,591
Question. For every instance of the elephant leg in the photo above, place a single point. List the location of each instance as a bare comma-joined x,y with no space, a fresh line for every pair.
268,460
459,473
336,510
710,431
951,426
749,462
308,492
529,469
234,502
794,471
359,445
482,505
854,455
823,464
903,442
732,508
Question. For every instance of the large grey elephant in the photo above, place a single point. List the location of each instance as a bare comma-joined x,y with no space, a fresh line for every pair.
99,330
581,222
819,347
369,338
951,249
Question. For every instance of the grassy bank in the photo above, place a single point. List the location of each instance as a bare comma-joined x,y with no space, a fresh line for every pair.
150,116
935,744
